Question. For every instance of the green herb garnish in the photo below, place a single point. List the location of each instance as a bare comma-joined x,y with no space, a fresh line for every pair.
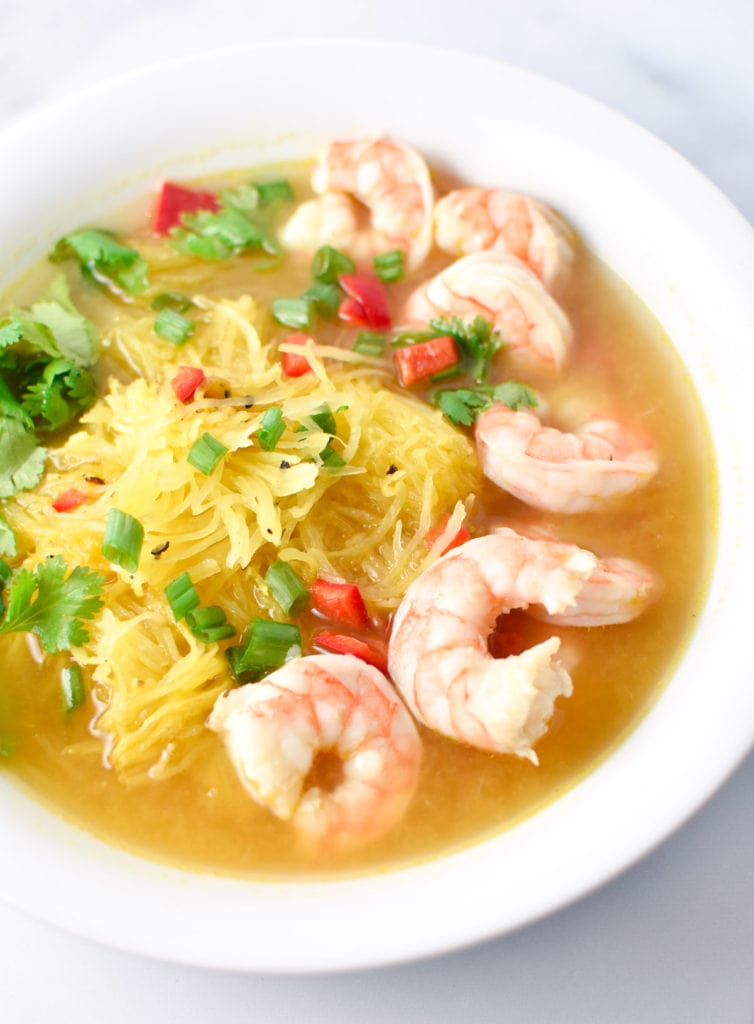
52,603
463,405
390,266
124,536
104,260
206,454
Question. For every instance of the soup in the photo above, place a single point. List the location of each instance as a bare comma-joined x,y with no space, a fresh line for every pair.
237,446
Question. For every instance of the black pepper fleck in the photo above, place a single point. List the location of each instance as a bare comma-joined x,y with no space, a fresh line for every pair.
160,549
392,468
284,464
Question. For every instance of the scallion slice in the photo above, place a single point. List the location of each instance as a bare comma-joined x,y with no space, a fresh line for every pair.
325,420
5,573
287,588
173,326
412,337
329,263
271,429
209,625
390,266
72,688
123,538
293,312
325,296
452,371
206,454
182,596
266,645
370,343
331,458
172,300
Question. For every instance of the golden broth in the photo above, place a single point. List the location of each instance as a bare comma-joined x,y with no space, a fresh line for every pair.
202,818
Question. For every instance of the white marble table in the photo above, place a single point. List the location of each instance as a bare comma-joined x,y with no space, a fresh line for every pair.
671,940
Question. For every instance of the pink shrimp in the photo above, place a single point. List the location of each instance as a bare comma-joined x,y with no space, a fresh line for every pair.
503,290
376,196
562,472
331,702
471,219
438,655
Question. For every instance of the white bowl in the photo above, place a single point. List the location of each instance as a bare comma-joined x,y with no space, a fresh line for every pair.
679,244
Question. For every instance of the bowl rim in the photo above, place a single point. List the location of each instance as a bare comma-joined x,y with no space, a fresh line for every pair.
456,927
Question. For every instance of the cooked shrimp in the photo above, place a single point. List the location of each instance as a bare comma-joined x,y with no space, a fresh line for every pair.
329,702
471,219
438,655
562,472
503,290
618,590
376,196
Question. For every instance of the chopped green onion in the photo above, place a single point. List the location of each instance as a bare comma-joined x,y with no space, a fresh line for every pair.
329,263
412,337
266,645
173,326
325,420
271,429
274,192
72,688
452,371
325,296
390,266
331,458
206,454
370,343
209,625
287,588
293,312
182,596
123,538
172,300
5,573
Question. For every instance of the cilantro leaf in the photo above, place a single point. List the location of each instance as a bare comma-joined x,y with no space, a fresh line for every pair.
476,339
51,327
60,393
218,235
7,542
463,405
52,605
22,461
104,260
515,395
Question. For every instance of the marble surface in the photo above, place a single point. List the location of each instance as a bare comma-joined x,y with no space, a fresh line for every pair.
670,941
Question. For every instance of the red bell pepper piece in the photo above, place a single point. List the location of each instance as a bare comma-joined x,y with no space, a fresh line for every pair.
175,200
366,302
186,381
341,602
415,362
295,365
340,643
437,531
69,500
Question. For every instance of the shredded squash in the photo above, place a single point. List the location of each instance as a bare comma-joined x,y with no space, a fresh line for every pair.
366,521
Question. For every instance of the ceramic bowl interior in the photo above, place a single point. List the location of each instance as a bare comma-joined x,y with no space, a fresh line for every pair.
682,248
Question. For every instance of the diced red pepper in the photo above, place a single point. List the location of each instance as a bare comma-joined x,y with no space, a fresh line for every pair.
437,531
186,381
366,303
415,362
175,200
341,602
340,643
295,365
69,500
